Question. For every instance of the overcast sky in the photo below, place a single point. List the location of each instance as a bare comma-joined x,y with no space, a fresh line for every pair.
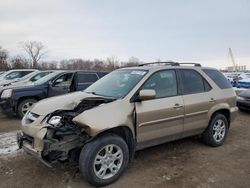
180,30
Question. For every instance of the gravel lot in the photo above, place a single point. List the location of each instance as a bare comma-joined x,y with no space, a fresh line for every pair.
184,163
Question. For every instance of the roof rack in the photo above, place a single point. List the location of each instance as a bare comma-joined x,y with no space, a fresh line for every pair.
171,63
165,63
195,64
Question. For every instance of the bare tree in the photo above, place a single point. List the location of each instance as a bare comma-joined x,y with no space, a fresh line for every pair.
3,59
19,62
35,51
112,63
52,65
132,61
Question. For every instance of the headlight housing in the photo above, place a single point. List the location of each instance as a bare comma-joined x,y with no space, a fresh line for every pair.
55,120
7,93
240,98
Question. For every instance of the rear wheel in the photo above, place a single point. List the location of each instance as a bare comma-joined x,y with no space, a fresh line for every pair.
216,132
103,160
24,106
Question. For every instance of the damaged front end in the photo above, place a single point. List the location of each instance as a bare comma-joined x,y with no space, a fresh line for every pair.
56,137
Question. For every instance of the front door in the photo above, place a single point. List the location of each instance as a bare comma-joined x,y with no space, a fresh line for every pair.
60,85
160,119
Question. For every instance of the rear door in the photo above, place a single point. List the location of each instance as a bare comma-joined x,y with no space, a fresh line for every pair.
84,80
160,119
61,85
197,101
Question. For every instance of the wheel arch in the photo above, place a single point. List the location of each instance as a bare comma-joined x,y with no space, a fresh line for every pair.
24,98
223,111
126,134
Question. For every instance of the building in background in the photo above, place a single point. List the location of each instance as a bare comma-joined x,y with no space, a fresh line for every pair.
237,68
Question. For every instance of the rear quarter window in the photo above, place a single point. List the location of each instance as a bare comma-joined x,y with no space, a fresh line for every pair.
218,78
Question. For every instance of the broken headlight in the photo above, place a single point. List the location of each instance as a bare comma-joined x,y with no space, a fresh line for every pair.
55,120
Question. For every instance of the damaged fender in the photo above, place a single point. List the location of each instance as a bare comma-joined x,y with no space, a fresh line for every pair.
107,116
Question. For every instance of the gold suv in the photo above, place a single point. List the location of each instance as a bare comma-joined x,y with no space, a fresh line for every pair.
128,110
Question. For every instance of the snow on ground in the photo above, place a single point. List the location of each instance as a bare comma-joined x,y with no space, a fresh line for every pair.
8,144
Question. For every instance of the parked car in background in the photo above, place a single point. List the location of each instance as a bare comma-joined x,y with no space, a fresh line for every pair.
244,81
1,72
29,78
18,99
243,100
14,75
7,82
128,110
232,77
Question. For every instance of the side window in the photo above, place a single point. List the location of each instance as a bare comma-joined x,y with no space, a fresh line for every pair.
163,82
193,82
218,78
64,80
87,77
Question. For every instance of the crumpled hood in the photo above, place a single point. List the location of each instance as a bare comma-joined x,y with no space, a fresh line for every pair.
62,102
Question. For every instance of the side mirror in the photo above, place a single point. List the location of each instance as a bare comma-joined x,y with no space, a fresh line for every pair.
147,94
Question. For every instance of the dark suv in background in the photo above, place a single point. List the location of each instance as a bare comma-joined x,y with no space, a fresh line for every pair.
18,99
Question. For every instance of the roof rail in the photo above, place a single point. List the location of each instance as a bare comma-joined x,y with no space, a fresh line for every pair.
195,64
165,63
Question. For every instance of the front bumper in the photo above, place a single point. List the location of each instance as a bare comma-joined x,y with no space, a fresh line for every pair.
8,106
48,143
24,142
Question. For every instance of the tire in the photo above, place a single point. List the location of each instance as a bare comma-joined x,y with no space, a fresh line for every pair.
22,104
216,132
95,152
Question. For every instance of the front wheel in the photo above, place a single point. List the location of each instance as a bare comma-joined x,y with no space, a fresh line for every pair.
24,106
103,160
216,132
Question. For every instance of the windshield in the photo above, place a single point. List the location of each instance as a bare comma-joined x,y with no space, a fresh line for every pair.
13,75
117,84
46,78
38,76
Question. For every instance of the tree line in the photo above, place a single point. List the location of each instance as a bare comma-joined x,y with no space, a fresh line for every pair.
34,58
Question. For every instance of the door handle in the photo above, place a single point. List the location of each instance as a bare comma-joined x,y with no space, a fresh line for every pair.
177,106
212,100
